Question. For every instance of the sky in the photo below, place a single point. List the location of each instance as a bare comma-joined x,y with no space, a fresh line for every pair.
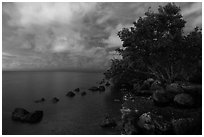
72,36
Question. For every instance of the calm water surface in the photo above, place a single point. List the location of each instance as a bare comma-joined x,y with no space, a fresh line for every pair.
78,115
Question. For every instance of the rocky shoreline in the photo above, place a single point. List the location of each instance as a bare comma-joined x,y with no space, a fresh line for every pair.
151,108
147,107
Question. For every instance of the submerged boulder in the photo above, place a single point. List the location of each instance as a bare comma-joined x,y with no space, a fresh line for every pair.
55,100
93,89
83,93
40,100
22,115
19,114
108,122
184,100
101,88
77,90
34,117
70,94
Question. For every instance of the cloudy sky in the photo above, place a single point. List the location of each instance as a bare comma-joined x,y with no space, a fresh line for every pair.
71,36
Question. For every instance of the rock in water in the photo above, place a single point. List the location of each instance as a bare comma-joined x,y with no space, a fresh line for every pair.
70,94
93,89
55,100
34,117
184,100
23,115
108,122
40,100
19,114
83,93
77,90
101,88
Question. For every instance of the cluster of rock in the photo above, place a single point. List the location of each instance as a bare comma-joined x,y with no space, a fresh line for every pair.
22,115
104,82
175,96
54,100
179,94
152,124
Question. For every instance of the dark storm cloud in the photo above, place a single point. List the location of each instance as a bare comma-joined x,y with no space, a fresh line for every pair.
71,35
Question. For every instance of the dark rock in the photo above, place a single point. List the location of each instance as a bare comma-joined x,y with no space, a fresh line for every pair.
19,114
23,115
184,100
107,83
147,84
101,88
40,100
34,117
156,85
152,124
55,100
161,97
108,122
94,89
185,126
70,94
174,88
83,93
77,90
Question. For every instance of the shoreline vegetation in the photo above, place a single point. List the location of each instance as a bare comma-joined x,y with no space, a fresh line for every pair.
160,75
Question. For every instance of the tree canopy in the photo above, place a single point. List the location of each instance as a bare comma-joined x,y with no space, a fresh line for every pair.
156,46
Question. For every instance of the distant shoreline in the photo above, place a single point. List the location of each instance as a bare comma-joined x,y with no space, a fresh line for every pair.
81,71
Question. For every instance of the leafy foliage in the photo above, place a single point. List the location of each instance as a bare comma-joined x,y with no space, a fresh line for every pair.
156,46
